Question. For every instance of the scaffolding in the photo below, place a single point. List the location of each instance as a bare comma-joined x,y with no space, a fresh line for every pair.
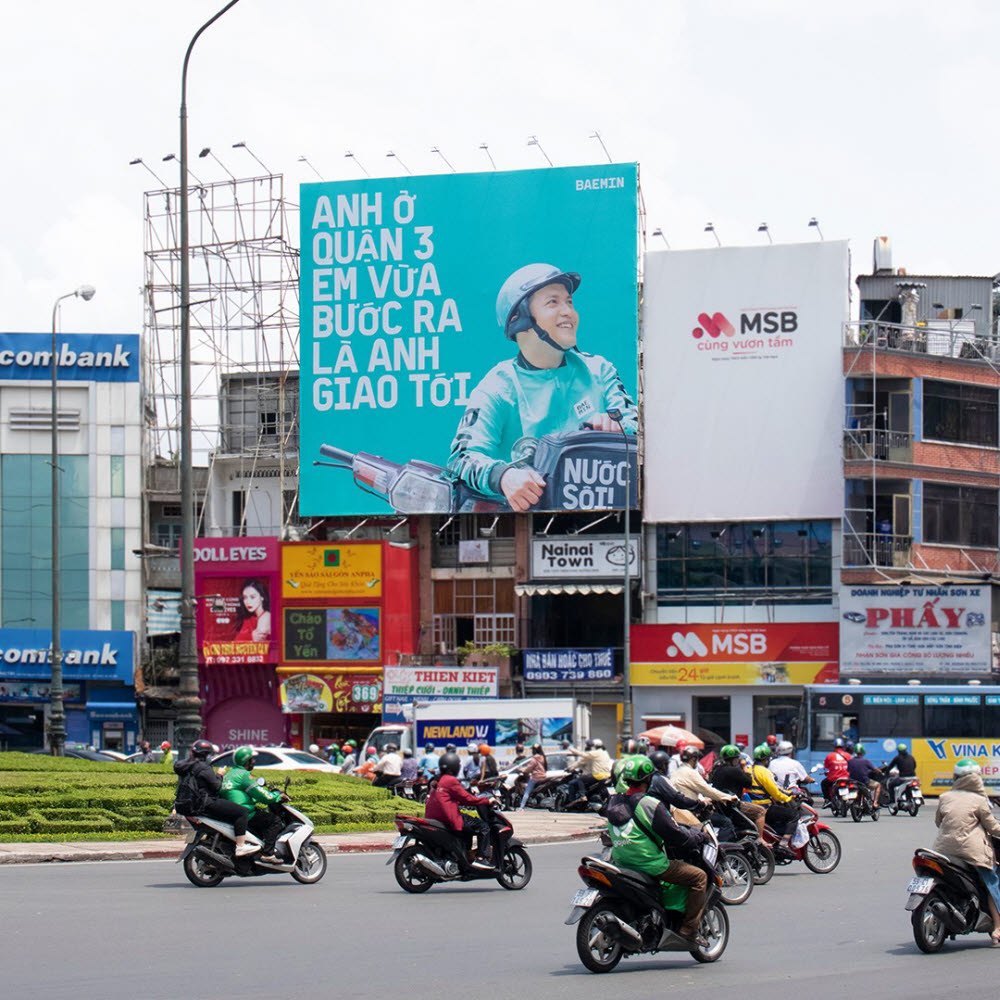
244,274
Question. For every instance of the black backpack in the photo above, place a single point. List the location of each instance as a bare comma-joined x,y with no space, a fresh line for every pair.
190,797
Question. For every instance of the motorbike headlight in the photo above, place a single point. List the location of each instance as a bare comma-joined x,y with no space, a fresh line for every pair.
417,492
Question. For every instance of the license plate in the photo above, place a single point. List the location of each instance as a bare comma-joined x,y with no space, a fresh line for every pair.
843,792
917,797
398,843
921,886
849,795
710,852
585,897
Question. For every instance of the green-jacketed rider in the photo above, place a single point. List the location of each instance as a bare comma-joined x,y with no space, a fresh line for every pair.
642,832
239,786
550,387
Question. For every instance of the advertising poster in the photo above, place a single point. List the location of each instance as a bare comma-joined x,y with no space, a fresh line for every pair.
331,570
569,664
784,653
332,635
936,761
331,693
915,630
440,321
746,345
574,557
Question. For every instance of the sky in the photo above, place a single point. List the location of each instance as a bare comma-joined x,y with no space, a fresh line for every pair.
870,116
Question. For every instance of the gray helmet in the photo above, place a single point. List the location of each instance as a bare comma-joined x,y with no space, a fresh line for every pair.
513,314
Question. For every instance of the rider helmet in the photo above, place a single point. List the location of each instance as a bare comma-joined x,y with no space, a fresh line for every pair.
859,750
165,745
564,744
762,752
785,749
680,746
407,752
536,747
642,745
429,748
314,748
371,751
484,749
966,765
390,748
353,744
244,757
144,746
629,747
901,748
849,746
513,313
450,763
333,748
637,770
201,748
598,744
660,760
771,740
450,748
589,745
729,752
690,753
838,743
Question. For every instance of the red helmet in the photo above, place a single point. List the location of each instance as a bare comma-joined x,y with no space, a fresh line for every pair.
681,745
484,749
371,751
165,745
772,740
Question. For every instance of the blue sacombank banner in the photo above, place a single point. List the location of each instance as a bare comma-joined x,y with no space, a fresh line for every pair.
80,357
86,655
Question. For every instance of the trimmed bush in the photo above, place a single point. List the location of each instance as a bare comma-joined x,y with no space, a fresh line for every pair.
64,798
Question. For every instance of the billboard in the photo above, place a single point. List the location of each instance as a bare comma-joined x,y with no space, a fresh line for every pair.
331,570
331,693
235,580
746,342
569,664
332,635
439,321
80,357
772,653
915,630
580,557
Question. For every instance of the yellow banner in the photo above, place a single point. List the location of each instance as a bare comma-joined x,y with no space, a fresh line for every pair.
733,673
936,761
332,570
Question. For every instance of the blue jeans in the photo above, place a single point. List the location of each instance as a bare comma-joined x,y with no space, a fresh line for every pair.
529,788
992,882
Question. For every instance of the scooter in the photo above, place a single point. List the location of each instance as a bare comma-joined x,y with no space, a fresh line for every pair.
583,470
864,805
427,852
813,843
566,799
622,912
760,856
945,898
843,794
210,853
906,797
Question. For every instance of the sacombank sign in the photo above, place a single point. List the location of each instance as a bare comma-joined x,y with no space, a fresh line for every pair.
80,357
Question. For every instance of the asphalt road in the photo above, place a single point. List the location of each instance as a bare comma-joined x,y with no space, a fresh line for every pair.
138,930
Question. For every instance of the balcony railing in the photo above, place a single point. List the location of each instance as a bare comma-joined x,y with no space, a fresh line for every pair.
958,340
877,549
866,445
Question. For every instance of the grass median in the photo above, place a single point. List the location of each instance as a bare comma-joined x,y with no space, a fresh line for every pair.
63,798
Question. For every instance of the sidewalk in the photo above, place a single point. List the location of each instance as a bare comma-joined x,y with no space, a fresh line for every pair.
531,826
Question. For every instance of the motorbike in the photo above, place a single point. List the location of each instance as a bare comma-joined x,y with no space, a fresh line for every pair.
414,789
583,470
209,854
760,856
566,799
864,805
427,852
946,898
906,797
843,794
813,843
621,913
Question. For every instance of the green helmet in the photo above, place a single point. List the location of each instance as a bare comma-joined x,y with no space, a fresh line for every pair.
859,749
762,752
243,757
638,770
333,748
513,314
729,752
966,766
902,747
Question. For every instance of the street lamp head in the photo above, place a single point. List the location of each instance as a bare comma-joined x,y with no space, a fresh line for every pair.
86,292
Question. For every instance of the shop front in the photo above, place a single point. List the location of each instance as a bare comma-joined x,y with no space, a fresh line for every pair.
729,683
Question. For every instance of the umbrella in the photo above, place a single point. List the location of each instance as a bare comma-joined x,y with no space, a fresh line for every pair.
669,735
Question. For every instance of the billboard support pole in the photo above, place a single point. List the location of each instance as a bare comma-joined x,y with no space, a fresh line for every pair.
627,593
188,725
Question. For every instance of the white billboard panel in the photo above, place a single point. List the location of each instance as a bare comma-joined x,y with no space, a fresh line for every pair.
915,630
577,556
744,382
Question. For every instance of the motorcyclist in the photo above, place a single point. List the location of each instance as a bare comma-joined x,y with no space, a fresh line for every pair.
334,754
732,775
630,748
147,753
662,788
388,771
781,816
240,787
592,766
645,838
965,825
350,761
428,763
675,759
835,764
535,768
905,765
787,771
487,762
168,753
865,773
443,805
687,779
472,767
409,768
216,807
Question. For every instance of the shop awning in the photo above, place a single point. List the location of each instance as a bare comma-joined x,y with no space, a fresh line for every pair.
542,589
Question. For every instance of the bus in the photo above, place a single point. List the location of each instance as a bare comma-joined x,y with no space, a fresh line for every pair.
940,722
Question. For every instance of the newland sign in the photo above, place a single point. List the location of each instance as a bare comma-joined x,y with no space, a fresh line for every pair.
572,557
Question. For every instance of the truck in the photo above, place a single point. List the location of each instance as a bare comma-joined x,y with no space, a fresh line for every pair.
501,723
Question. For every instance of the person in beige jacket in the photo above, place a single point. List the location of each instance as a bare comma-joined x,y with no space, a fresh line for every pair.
688,780
965,825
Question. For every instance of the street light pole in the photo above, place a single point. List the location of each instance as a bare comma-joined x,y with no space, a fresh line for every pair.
627,610
57,710
188,726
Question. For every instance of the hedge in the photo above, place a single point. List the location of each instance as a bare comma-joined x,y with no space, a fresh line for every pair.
65,798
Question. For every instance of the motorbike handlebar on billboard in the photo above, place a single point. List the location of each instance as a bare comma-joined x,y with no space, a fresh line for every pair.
469,342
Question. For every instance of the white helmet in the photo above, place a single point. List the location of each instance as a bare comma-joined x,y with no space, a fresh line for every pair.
785,748
598,744
313,748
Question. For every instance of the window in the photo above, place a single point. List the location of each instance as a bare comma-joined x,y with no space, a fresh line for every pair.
118,616
117,548
966,414
960,515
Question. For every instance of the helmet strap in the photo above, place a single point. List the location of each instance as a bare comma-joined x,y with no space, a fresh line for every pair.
544,337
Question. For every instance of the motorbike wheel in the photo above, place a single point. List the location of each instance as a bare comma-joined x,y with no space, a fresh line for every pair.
598,948
857,811
515,869
875,811
893,809
410,874
737,878
715,931
202,872
559,800
912,808
764,867
929,930
822,853
310,866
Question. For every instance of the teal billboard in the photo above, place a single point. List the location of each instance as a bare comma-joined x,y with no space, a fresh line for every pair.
468,342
